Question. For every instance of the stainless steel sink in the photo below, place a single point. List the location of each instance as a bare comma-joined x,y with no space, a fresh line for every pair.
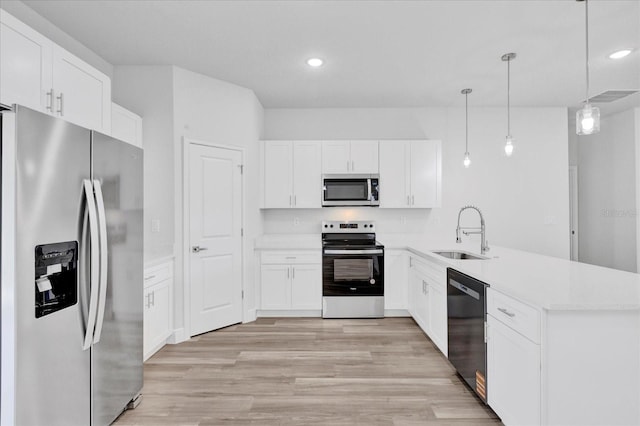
459,255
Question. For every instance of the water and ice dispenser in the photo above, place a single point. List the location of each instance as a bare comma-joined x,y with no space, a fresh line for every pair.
56,277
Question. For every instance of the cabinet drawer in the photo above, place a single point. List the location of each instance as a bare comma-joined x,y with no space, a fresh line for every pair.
157,274
290,258
520,317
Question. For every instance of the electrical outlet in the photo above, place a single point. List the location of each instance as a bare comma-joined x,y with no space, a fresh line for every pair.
296,221
155,225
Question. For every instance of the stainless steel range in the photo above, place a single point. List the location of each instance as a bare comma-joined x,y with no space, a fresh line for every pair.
352,270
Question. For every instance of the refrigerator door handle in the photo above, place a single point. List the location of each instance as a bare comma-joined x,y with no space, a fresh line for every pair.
102,229
94,264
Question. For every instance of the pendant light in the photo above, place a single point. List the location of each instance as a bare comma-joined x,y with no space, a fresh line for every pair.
588,118
508,147
467,160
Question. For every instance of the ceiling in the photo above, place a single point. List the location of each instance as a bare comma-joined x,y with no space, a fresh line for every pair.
377,53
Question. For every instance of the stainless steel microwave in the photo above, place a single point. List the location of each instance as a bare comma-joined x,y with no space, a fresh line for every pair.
350,190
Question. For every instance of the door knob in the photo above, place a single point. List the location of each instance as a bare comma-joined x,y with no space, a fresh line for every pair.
197,249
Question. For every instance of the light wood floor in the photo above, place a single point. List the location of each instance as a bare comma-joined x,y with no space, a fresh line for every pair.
307,371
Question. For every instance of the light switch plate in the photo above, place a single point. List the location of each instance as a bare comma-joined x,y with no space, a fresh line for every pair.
155,225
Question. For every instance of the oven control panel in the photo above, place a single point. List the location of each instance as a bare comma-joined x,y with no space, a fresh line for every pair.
348,226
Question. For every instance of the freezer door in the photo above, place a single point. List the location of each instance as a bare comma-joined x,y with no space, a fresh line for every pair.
117,356
52,371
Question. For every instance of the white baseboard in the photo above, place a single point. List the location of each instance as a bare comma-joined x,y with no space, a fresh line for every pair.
291,313
178,336
250,316
396,313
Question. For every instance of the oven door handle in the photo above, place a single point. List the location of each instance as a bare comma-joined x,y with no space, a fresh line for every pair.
370,251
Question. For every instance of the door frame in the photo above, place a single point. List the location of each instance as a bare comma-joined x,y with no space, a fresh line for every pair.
186,259
574,239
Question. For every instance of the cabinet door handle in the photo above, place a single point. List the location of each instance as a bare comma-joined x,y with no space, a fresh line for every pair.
290,257
295,200
408,200
413,200
288,276
506,312
293,272
60,99
149,277
353,166
290,203
50,100
347,165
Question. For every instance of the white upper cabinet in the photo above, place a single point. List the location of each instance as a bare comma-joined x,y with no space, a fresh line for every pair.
25,65
292,175
307,177
394,174
82,93
336,157
410,174
364,157
125,125
350,157
39,74
278,165
425,173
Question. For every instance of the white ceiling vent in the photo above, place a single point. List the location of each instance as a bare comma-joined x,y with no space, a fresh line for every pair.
611,95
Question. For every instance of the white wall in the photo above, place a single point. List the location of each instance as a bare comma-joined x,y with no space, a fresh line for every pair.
52,32
607,188
214,111
148,91
525,199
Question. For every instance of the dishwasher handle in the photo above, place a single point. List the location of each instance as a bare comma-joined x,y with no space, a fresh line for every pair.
464,289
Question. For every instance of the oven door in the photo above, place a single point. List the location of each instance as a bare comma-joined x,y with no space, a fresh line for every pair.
353,272
346,191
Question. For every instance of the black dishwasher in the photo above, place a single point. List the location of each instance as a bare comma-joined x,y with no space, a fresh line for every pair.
466,317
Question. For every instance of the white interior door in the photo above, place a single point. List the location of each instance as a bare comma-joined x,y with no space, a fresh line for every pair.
215,242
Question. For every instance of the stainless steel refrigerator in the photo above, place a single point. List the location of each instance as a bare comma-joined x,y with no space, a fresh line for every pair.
71,272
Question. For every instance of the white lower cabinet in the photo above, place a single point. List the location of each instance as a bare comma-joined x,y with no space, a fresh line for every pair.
513,360
513,372
158,288
290,281
428,299
396,265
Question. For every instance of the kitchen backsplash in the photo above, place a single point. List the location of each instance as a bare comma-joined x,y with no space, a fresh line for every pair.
307,221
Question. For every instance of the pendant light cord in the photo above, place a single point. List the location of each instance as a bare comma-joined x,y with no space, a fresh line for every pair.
586,26
508,97
466,122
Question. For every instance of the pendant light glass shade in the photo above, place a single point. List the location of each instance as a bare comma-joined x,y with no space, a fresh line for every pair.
588,118
467,160
508,147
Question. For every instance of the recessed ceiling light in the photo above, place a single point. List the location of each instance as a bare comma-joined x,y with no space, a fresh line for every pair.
315,62
620,54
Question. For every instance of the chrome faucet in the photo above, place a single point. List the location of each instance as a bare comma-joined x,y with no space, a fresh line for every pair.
484,246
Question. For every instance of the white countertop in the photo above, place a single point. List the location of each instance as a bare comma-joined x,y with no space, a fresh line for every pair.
544,282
